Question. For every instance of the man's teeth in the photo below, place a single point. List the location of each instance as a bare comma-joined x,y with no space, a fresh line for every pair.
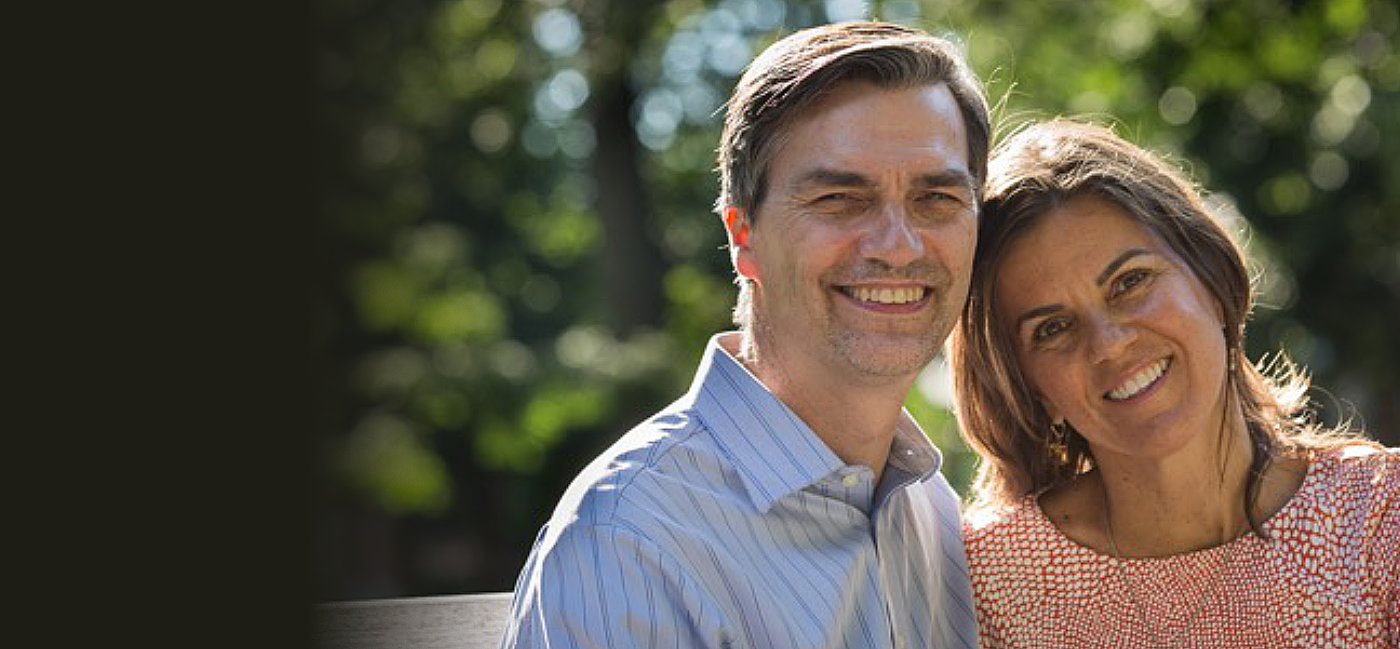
902,295
1139,381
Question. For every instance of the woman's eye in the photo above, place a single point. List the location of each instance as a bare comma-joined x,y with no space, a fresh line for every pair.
1048,329
1129,280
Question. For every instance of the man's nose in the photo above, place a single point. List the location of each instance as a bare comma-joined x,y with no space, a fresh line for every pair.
892,238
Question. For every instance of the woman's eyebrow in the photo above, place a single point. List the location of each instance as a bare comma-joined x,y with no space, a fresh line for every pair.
1036,313
1118,262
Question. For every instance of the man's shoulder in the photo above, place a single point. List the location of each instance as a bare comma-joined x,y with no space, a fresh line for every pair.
609,536
630,482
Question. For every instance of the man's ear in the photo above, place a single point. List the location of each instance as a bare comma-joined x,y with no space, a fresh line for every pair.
736,225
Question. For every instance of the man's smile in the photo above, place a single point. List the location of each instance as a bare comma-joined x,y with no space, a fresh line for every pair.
901,298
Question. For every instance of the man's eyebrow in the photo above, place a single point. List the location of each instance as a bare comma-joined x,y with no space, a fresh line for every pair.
823,176
1119,261
947,178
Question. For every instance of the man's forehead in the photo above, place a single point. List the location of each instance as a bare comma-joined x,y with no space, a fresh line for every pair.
858,117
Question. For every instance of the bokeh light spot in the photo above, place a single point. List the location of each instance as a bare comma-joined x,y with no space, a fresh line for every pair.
1128,35
539,140
1286,194
568,89
1331,125
1351,95
1263,101
729,53
1177,105
843,10
576,139
558,32
380,145
540,293
1328,170
384,456
491,130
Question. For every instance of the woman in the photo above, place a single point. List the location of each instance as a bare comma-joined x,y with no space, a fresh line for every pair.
1143,484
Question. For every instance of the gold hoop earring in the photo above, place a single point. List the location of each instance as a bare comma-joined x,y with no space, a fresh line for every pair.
1055,442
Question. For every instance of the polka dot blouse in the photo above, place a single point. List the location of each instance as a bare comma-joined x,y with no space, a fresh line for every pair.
1328,578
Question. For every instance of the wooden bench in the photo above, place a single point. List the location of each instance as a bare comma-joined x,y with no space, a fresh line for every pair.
445,622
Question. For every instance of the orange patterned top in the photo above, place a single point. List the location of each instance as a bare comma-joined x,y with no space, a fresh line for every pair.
1327,579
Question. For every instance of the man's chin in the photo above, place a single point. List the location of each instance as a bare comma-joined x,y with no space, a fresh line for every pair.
887,355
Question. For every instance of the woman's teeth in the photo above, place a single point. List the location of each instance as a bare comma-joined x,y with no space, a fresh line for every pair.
1139,381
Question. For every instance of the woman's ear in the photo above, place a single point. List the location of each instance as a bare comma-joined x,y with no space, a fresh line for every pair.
736,225
1051,410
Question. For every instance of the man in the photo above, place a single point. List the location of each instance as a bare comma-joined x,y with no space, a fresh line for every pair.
788,500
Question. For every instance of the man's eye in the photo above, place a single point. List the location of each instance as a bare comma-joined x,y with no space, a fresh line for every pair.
940,205
1048,329
935,197
839,203
1129,281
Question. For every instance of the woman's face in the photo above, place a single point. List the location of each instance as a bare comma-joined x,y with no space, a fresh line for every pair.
1114,332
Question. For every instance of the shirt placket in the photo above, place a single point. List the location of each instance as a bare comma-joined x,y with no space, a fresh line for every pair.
887,545
855,486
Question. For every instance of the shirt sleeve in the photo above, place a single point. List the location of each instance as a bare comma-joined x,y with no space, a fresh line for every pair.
608,586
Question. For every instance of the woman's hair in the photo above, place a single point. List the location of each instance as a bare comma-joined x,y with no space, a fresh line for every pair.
1040,168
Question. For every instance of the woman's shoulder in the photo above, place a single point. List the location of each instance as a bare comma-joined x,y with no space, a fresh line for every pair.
1351,497
1359,474
988,523
1020,564
1015,537
1338,531
1061,508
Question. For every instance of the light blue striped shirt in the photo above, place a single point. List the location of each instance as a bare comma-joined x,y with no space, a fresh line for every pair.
724,521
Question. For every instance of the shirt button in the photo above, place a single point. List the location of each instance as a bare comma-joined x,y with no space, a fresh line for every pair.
850,480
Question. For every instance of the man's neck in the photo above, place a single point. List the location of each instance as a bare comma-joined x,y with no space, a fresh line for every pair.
856,420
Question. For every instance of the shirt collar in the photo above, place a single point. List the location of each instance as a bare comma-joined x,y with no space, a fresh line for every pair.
912,458
911,451
775,452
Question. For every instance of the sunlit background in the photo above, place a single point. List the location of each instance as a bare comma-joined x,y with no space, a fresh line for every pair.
519,261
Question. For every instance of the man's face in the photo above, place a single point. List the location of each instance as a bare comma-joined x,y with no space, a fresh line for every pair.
862,250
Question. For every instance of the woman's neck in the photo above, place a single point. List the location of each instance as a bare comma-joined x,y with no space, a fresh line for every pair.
1188,501
1179,504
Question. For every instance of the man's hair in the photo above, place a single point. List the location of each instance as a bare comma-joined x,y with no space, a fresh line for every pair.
794,72
1039,169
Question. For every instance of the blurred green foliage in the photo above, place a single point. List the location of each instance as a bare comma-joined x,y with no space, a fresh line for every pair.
521,260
